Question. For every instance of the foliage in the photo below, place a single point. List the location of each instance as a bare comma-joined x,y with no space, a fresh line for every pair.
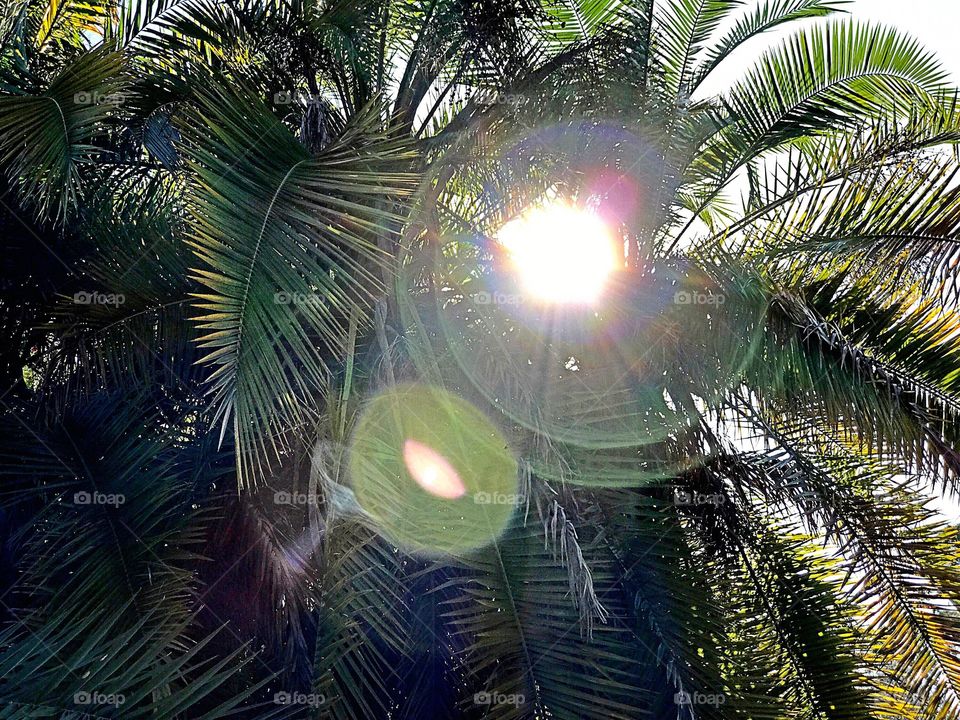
229,224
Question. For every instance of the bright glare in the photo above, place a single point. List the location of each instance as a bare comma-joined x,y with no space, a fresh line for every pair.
562,254
432,471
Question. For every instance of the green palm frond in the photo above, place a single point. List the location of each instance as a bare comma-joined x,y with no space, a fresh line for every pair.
891,416
67,20
46,140
681,32
903,219
827,77
806,172
289,244
893,548
573,20
765,16
798,590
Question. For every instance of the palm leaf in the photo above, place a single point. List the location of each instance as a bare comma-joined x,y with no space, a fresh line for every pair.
681,31
826,77
289,244
46,140
763,17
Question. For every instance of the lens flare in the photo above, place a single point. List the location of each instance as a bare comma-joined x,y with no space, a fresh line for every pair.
562,254
434,474
431,471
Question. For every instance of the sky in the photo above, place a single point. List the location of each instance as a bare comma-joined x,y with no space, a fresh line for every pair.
933,22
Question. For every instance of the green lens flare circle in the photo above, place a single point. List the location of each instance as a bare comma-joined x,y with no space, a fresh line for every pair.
432,471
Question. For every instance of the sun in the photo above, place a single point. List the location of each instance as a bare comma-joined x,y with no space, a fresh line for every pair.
561,254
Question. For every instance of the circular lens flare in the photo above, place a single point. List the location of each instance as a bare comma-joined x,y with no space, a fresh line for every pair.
431,471
561,253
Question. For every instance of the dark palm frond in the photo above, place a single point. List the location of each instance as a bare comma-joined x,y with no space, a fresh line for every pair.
916,334
81,662
432,673
126,317
112,482
521,637
121,487
363,623
47,139
794,592
678,619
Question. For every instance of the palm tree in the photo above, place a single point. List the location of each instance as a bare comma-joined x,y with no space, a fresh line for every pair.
241,242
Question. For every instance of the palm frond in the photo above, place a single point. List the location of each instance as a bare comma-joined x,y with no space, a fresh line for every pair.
47,139
521,639
289,244
827,77
681,32
763,17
